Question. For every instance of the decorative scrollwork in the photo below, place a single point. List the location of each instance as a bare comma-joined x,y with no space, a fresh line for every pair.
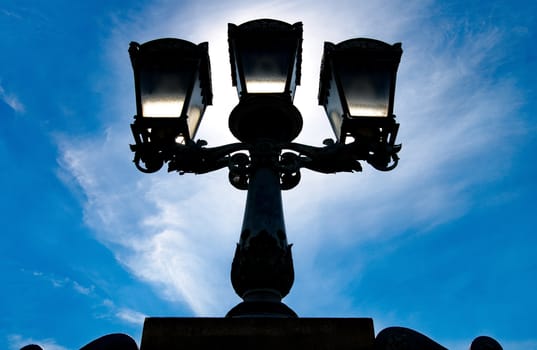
333,158
286,158
239,169
289,167
151,158
384,158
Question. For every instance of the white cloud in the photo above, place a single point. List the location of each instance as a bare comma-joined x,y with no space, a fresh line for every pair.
123,314
81,289
131,316
17,341
62,282
11,100
178,233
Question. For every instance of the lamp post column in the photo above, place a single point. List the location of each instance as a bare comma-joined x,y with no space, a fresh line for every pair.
262,269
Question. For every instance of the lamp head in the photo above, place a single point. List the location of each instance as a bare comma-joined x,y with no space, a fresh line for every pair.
265,57
357,85
173,87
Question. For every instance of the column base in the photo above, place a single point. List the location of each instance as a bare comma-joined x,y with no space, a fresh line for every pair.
258,333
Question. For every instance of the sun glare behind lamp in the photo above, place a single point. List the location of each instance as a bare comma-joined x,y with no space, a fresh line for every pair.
173,88
357,88
265,57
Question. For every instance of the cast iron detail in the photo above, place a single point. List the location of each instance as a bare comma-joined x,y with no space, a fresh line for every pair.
239,169
264,264
287,157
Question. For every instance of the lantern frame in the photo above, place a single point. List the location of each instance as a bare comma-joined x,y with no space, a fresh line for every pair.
269,45
374,64
181,65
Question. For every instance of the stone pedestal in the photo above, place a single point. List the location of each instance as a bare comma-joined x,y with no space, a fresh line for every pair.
258,333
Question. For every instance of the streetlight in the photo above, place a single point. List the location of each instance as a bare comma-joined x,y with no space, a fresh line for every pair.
173,88
357,88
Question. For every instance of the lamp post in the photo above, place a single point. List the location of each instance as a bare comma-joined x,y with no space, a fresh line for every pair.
357,88
173,88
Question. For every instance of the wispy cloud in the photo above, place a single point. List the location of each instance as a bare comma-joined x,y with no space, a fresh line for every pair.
178,233
131,316
8,13
153,229
11,100
123,314
17,341
83,290
112,310
64,282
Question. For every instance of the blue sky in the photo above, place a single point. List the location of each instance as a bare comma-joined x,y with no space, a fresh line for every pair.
444,244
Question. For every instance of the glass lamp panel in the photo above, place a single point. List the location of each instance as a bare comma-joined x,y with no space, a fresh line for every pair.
195,109
164,90
266,66
334,109
366,89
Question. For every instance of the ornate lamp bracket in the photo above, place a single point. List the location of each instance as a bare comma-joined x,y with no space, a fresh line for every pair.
242,158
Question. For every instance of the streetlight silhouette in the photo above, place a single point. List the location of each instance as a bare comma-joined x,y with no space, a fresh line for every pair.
173,89
356,89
